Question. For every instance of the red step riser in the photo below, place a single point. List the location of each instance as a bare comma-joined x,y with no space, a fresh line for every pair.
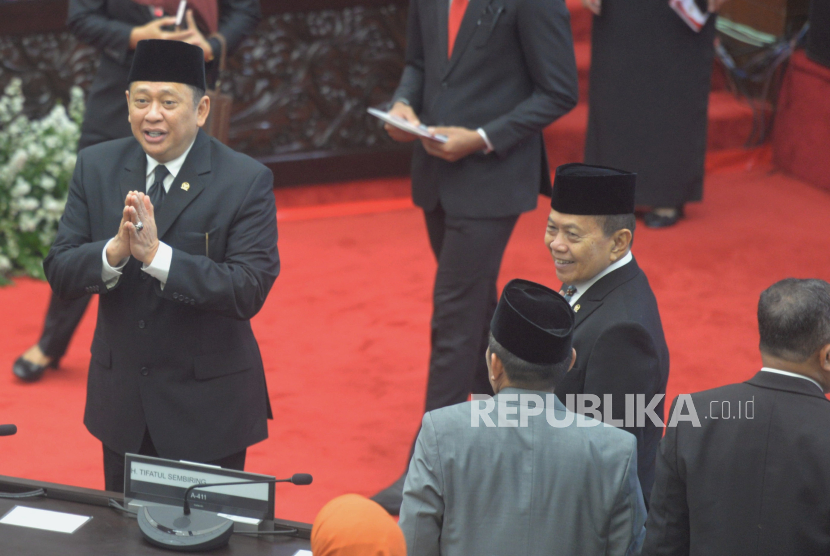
730,125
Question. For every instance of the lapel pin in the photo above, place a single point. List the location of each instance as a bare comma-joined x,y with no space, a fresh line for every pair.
185,186
576,308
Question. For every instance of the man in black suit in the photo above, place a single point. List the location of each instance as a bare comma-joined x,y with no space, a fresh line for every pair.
490,75
114,27
620,348
175,369
746,474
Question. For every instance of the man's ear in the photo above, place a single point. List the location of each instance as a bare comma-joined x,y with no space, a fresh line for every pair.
621,244
127,92
573,359
496,367
202,110
824,358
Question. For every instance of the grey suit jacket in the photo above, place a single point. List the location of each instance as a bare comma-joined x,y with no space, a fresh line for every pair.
512,73
521,490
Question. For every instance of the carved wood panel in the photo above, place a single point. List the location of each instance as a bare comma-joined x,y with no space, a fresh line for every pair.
301,83
304,80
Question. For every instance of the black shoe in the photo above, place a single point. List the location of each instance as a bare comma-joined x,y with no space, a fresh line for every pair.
391,497
654,220
30,372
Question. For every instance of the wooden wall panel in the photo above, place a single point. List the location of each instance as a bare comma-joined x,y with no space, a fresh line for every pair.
301,83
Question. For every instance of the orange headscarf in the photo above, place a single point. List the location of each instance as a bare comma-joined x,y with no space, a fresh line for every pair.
351,525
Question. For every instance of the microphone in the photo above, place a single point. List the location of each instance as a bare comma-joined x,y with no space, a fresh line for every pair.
190,530
300,479
8,430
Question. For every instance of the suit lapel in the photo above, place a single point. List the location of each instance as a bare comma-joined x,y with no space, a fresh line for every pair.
468,27
592,299
134,176
443,24
193,171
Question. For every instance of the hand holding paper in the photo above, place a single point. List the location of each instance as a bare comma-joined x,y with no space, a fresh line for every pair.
401,110
689,12
460,142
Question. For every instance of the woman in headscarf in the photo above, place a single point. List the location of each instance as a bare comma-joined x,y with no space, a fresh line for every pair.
351,525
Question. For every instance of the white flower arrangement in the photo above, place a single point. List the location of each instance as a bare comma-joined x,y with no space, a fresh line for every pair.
37,158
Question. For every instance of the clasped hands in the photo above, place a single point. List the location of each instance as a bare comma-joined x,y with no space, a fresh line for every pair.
143,243
461,141
154,30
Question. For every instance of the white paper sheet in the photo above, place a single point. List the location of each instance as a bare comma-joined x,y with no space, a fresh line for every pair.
400,123
690,13
303,553
44,519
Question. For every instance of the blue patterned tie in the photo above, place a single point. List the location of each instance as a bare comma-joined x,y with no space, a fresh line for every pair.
569,292
157,191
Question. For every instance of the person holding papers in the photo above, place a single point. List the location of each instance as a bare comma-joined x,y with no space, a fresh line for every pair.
648,97
490,75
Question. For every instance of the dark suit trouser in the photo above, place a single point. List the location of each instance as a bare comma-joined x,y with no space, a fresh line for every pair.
62,319
114,463
469,253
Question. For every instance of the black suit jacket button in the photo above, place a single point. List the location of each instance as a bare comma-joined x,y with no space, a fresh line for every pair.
141,324
193,302
145,371
175,296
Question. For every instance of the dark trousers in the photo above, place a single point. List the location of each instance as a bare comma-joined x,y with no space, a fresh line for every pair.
62,319
469,253
114,463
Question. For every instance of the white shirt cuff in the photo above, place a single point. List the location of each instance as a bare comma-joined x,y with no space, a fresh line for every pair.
483,134
111,274
159,267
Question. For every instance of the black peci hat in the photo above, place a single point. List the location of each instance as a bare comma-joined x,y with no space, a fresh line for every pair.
170,62
592,190
533,322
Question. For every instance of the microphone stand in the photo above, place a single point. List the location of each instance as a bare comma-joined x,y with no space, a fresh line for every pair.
182,530
9,430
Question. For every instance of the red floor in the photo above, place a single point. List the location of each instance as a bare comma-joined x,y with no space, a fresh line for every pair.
345,330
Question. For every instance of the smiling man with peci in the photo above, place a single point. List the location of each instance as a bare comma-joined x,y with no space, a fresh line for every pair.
618,336
177,233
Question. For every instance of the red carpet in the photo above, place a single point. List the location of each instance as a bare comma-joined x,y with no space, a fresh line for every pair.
345,330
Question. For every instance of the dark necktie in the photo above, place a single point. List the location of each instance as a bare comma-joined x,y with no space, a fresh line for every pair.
157,191
569,292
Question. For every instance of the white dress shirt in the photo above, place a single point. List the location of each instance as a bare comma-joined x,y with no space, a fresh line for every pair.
582,287
159,267
788,373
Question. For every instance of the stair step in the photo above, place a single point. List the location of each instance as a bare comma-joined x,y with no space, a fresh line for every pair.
730,125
